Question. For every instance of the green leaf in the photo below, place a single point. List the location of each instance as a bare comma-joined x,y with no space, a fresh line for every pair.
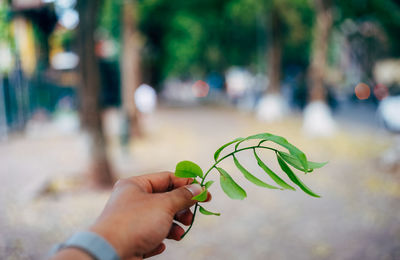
251,177
293,177
271,174
188,169
290,159
293,150
216,154
208,184
202,196
262,136
230,187
206,212
280,141
316,165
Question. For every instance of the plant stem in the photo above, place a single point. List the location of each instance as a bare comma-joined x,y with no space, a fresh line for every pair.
191,223
214,166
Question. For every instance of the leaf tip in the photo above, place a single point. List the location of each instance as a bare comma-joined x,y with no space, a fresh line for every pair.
314,195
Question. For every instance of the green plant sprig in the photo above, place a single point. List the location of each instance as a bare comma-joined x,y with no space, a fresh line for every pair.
295,158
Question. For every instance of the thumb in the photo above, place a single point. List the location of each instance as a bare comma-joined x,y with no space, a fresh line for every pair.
181,198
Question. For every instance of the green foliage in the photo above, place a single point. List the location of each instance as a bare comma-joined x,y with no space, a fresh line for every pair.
202,196
251,177
5,32
296,158
301,157
183,43
216,154
230,187
296,164
188,169
293,177
272,174
193,38
208,184
110,18
206,212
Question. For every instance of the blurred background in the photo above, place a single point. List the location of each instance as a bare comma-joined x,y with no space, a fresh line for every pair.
93,91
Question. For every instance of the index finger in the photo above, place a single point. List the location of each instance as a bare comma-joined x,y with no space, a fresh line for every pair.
160,182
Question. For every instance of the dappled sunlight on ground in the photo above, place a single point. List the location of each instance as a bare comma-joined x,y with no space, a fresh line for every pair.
43,199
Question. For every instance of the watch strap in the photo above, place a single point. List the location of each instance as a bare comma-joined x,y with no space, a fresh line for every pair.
91,243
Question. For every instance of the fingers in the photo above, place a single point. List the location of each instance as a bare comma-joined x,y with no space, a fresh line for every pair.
160,182
158,250
185,217
175,232
181,198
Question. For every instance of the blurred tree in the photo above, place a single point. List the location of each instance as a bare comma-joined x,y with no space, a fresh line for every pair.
100,172
318,120
384,13
110,18
323,25
370,29
288,28
131,74
272,106
275,50
194,38
5,34
6,64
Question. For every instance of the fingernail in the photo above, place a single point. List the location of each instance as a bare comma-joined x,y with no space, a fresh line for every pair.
195,189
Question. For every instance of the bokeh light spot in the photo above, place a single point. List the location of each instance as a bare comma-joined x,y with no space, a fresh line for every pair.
381,91
69,19
200,89
145,99
362,91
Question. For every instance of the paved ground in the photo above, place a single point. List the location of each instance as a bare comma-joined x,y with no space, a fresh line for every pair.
356,218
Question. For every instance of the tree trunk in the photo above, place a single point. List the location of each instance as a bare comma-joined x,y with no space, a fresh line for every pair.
318,120
3,112
322,30
272,106
131,69
100,173
275,52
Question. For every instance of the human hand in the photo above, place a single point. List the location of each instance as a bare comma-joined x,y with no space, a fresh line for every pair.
140,212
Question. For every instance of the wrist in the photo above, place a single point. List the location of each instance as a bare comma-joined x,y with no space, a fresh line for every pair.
109,235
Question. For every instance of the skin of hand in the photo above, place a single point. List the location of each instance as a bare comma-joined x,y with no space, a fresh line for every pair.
141,211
